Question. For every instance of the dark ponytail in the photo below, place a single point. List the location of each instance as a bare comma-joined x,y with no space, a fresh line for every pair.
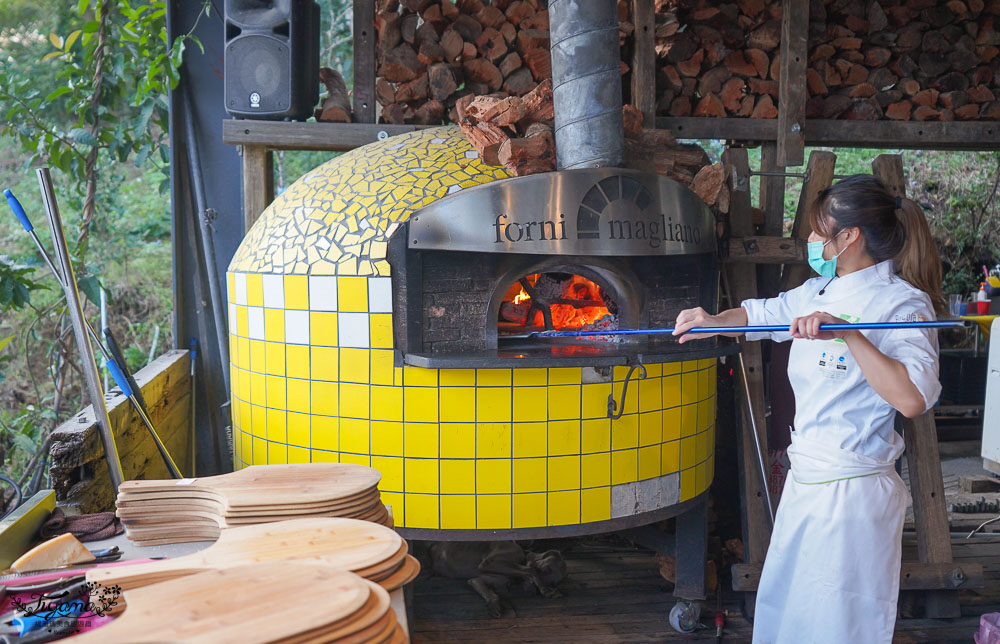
891,228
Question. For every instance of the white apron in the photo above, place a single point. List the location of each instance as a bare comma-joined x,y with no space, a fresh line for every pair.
832,570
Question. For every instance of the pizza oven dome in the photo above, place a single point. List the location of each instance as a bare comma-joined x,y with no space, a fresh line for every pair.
338,355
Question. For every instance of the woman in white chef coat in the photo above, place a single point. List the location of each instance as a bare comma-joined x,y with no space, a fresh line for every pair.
832,569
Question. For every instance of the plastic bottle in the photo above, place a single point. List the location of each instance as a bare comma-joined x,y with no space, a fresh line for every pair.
981,296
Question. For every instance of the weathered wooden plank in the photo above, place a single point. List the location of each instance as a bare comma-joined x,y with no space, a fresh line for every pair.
644,61
819,176
766,250
742,284
78,475
258,182
281,135
772,203
913,575
923,459
920,135
364,61
792,92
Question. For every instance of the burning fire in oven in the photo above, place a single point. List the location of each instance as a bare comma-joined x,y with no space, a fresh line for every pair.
556,301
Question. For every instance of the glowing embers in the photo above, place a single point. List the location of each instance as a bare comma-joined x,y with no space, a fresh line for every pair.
556,301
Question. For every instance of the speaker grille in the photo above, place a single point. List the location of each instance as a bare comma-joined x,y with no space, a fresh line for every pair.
259,66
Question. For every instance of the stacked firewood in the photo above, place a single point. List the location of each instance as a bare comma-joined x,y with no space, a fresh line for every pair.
431,53
512,131
915,60
516,132
867,59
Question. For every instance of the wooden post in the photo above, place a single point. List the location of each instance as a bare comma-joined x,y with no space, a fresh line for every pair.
930,515
364,61
792,82
819,177
258,182
772,202
644,62
742,284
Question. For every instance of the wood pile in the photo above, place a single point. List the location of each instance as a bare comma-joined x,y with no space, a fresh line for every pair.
431,53
516,132
511,131
893,59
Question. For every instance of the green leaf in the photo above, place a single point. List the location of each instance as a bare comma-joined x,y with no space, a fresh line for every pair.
82,136
56,41
57,93
90,286
70,39
91,27
51,55
4,342
24,443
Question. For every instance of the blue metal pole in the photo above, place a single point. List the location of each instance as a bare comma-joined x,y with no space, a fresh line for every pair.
749,329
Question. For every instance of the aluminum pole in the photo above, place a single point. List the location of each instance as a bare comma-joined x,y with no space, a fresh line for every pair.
73,304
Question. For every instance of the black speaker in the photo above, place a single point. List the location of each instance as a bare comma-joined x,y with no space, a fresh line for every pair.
272,58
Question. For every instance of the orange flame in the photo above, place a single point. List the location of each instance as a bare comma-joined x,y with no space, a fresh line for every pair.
567,316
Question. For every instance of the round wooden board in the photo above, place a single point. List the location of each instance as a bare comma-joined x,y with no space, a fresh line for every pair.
202,607
345,544
406,573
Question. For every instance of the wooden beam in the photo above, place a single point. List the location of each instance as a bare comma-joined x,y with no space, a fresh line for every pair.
281,135
819,177
913,575
258,182
364,61
742,284
766,250
79,477
644,61
920,135
930,514
792,92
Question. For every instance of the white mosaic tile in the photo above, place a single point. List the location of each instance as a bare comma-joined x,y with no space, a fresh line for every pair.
240,282
274,291
380,294
255,318
352,330
297,327
322,293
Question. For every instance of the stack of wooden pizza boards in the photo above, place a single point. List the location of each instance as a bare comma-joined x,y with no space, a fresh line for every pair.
301,580
178,510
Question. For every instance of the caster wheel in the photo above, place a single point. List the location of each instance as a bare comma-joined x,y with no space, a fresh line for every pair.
684,616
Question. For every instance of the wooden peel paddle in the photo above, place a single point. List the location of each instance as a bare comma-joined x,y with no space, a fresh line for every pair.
272,485
307,599
346,544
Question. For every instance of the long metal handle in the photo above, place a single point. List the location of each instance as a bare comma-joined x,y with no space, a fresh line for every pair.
123,383
770,328
114,354
89,365
756,437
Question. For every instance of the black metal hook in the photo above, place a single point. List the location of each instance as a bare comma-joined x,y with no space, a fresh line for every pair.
615,411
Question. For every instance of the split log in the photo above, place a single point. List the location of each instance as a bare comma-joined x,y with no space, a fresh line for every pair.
336,106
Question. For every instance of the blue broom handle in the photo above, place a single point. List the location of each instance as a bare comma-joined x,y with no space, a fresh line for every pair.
755,329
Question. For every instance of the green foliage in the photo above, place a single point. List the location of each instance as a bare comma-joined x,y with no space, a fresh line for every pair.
15,284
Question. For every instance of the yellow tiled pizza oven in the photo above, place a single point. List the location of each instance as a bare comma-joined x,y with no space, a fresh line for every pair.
359,334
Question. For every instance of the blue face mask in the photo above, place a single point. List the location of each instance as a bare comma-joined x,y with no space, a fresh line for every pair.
825,267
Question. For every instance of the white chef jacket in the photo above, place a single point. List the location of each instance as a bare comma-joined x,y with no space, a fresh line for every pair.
832,569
